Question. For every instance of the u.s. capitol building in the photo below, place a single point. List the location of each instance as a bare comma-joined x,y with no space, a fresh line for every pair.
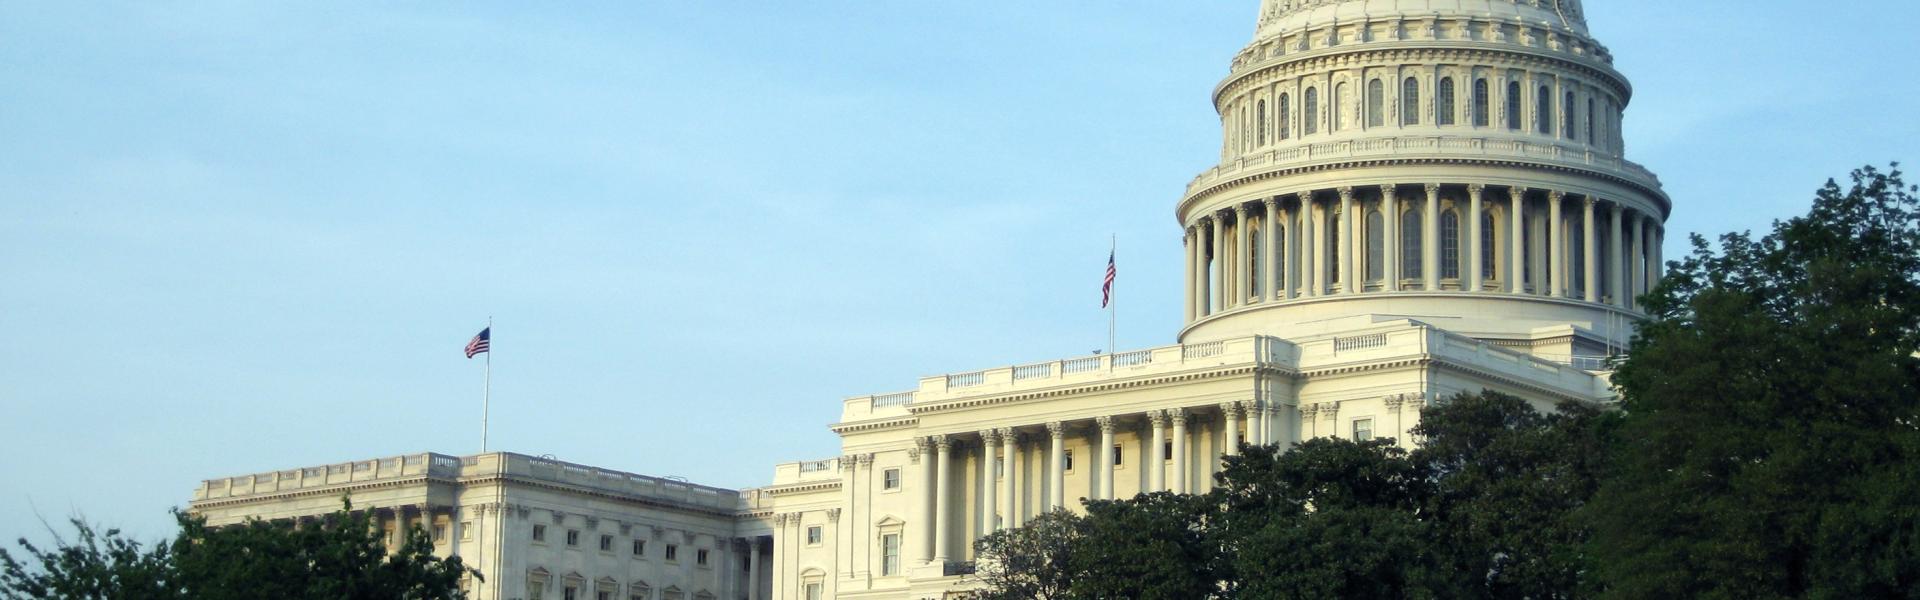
1414,198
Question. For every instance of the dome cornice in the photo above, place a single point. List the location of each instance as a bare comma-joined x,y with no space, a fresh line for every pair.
1194,198
1462,53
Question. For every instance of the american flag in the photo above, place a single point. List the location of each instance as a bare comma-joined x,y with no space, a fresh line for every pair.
1106,289
480,342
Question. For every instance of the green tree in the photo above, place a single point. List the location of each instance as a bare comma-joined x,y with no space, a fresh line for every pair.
1152,547
1031,562
94,566
1767,440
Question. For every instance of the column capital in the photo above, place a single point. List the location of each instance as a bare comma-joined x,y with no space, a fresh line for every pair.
1476,188
1105,422
943,443
847,462
1346,193
1157,418
1433,189
1007,435
1589,202
1389,191
913,454
1330,410
1057,430
833,515
1272,203
780,519
1178,416
1556,195
1619,208
1307,411
989,437
1240,210
866,460
1231,409
1393,401
1306,196
1223,215
1518,191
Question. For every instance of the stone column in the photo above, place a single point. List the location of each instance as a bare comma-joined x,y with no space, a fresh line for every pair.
1659,250
1010,443
1430,239
850,476
1638,263
1616,279
1241,256
989,497
1291,276
1057,471
1218,269
1518,256
1270,247
1190,248
1316,248
1180,441
753,568
921,457
1591,251
1346,257
1105,491
942,459
1156,467
1556,246
1390,247
1475,266
1231,410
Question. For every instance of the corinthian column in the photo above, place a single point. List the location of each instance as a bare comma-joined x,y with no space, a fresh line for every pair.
1187,242
1240,255
1638,263
1156,467
1591,244
989,501
1616,279
1390,229
1057,475
1347,280
1179,418
1106,458
1316,246
1556,246
1231,411
1270,247
1430,240
942,458
1518,256
1219,266
1011,445
1475,265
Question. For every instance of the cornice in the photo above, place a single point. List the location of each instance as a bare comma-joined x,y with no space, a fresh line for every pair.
1658,196
593,492
801,488
1102,387
346,488
875,424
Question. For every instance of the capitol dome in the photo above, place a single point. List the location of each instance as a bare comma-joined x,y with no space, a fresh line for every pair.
1456,162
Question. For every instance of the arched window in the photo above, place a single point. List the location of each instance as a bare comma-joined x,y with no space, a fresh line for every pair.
1376,246
1254,258
1443,114
1411,249
1410,102
1339,108
1568,113
1332,248
1590,138
1543,111
1513,106
1261,127
1489,270
1376,103
1481,106
1286,118
1310,112
1449,244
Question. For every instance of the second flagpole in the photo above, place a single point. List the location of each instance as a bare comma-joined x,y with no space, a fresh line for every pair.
1113,300
486,391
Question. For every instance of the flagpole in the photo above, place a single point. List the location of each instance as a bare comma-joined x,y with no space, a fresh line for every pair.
1113,303
486,393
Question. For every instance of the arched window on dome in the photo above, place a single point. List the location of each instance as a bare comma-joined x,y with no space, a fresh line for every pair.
1590,138
1332,247
1262,125
1339,107
1411,248
1376,103
1543,111
1376,247
1286,118
1410,102
1310,112
1443,113
1254,257
1489,247
1449,244
1482,107
1569,115
1513,106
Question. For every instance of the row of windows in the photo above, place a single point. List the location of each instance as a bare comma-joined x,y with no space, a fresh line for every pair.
672,553
1412,256
606,589
1446,111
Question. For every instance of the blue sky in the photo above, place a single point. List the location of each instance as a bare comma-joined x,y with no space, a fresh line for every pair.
237,237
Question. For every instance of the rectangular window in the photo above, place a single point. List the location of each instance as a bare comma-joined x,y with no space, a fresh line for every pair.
536,589
1069,464
890,479
573,537
570,593
1119,456
439,533
466,531
700,557
639,547
890,554
389,536
1166,450
813,591
673,552
1362,430
603,595
813,535
539,533
606,543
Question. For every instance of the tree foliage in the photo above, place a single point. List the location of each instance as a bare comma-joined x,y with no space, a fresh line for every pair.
340,556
